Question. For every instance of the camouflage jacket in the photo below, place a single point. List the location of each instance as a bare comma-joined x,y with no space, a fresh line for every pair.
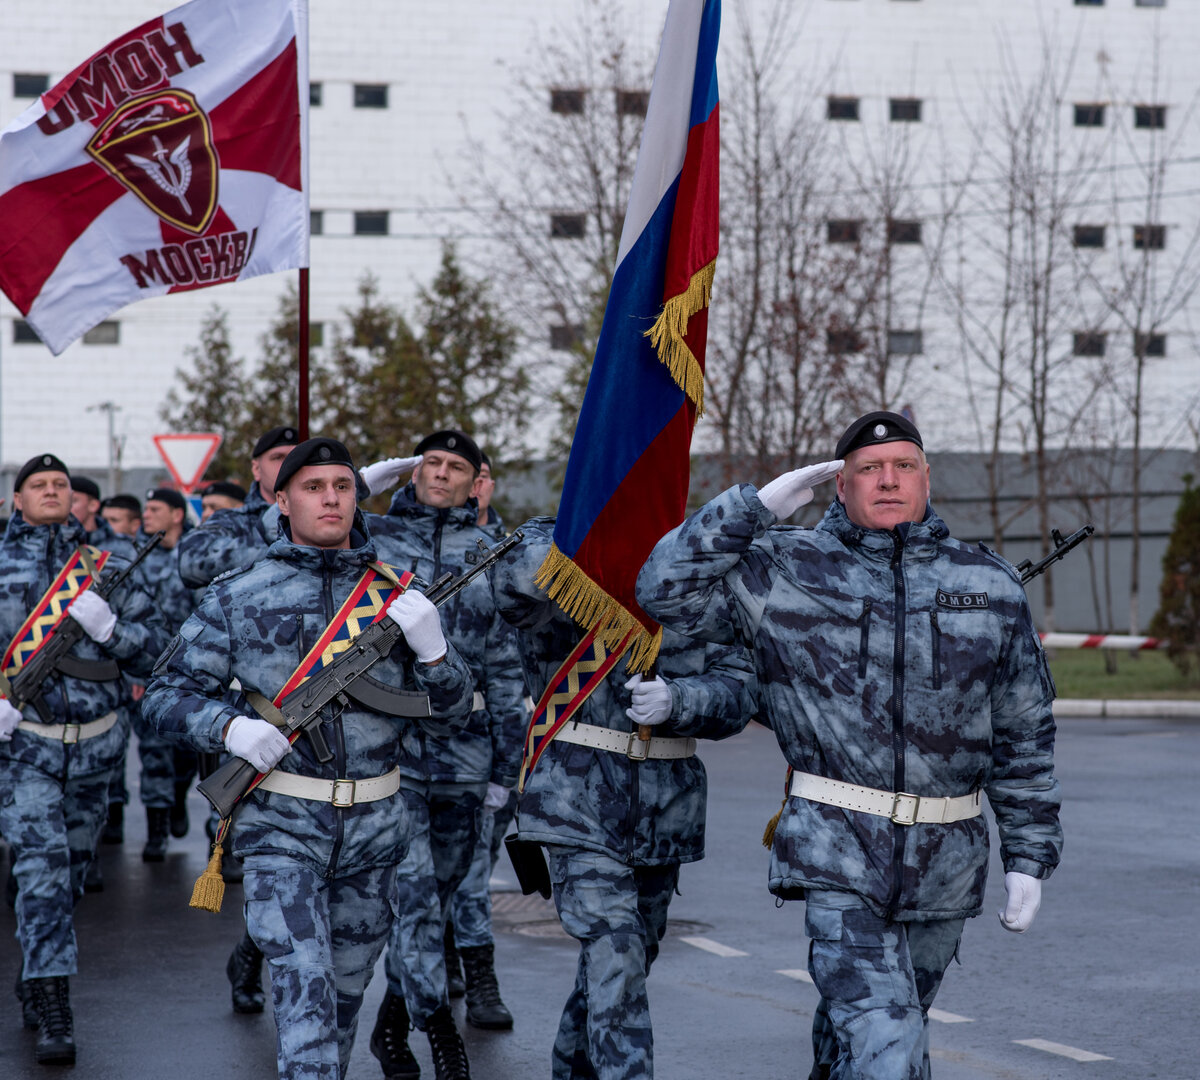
256,625
901,660
174,600
646,813
432,542
30,559
228,540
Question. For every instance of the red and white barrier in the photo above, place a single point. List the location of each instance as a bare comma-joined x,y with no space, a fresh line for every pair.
1128,642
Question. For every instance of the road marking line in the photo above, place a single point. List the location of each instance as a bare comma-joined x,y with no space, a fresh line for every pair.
799,974
948,1017
714,947
1071,1052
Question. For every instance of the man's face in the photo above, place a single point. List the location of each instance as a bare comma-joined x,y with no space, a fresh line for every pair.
484,486
44,498
265,468
210,504
884,484
320,501
83,508
443,479
160,516
123,522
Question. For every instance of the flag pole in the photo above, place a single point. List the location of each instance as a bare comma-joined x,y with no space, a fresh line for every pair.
302,419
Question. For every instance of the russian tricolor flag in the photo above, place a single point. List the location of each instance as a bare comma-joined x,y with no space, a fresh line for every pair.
627,476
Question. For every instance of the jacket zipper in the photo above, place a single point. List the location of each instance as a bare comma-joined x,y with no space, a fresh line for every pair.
865,621
936,631
339,739
898,777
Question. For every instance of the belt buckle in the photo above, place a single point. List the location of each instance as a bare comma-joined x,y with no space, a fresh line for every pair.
638,749
343,793
911,818
70,734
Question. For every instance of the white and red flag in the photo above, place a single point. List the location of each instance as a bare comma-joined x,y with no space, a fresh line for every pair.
173,159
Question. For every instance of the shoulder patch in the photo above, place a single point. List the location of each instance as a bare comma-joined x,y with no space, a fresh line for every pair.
225,575
971,601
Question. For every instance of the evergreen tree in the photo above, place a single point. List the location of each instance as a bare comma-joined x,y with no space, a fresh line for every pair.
273,392
1178,615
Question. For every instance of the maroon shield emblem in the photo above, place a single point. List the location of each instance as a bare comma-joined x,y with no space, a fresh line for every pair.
160,146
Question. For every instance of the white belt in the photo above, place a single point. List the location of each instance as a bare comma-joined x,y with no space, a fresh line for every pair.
338,792
477,701
902,808
70,733
627,743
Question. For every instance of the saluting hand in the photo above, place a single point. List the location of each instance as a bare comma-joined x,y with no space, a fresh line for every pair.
94,615
420,624
652,702
784,495
382,475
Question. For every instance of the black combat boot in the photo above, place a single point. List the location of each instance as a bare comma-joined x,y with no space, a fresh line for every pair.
244,972
93,876
389,1040
446,1046
484,1007
158,829
179,814
455,984
29,1016
114,826
56,1026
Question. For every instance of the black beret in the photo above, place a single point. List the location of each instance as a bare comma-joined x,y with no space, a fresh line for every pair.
123,502
456,442
484,459
85,486
41,463
277,436
169,496
877,427
318,452
224,487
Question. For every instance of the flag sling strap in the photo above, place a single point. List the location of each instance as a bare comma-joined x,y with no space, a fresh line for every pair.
571,685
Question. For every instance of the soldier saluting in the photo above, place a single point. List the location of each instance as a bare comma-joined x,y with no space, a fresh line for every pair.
320,840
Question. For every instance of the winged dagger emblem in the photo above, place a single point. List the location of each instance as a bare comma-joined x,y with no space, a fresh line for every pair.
171,171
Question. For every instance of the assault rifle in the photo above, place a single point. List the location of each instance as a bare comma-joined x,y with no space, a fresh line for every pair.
1029,570
302,710
25,688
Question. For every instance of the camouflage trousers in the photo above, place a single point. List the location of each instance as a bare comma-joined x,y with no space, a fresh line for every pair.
877,980
157,779
445,824
618,914
52,828
471,904
321,939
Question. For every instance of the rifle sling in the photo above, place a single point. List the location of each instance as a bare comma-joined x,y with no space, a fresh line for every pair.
88,670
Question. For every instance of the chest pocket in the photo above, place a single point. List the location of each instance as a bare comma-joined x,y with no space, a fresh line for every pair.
964,647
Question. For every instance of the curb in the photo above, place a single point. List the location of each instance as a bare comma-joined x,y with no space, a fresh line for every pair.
1178,709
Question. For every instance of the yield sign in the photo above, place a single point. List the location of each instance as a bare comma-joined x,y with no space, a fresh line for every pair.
187,456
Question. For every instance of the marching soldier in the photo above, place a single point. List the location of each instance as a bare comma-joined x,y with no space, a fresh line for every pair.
220,495
56,762
320,841
123,513
85,508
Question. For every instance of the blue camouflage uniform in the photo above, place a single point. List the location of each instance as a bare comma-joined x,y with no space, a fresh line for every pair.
445,779
904,661
615,830
53,792
227,540
320,881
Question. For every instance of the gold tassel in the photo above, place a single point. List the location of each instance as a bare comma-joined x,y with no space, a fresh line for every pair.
209,890
768,839
670,328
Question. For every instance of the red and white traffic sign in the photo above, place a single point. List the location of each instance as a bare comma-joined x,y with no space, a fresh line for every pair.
187,456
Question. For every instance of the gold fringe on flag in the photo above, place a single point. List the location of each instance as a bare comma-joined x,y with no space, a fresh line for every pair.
589,605
670,328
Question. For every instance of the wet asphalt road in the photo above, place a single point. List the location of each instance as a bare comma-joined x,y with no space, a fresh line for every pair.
1110,972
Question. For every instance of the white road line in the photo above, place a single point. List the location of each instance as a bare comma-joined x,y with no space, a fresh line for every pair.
715,947
949,1017
1063,1051
799,974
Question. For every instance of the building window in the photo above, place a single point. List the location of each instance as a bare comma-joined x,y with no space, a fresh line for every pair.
847,231
1150,116
841,108
24,334
1089,236
905,109
567,226
1089,3
1149,3
316,223
370,95
315,93
30,86
1150,237
567,102
1089,343
105,333
564,338
1089,115
903,232
843,341
316,334
1150,344
906,342
632,102
370,223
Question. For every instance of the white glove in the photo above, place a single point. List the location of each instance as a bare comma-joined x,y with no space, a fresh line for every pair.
419,622
784,495
496,797
651,701
385,474
94,615
260,743
10,717
1024,899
